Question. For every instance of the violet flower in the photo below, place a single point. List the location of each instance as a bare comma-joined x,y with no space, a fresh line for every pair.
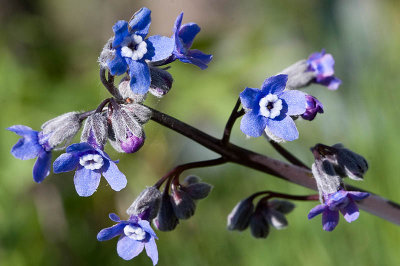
33,144
183,37
132,50
90,163
313,107
322,65
269,109
135,235
343,201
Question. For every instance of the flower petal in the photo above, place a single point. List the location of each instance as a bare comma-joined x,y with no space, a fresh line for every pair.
332,82
86,181
111,232
79,147
118,65
274,84
195,57
140,76
284,129
28,146
151,250
350,211
147,228
253,124
330,219
187,33
114,217
159,48
65,162
128,248
23,131
249,98
141,21
42,166
316,211
324,66
114,177
295,100
120,29
356,195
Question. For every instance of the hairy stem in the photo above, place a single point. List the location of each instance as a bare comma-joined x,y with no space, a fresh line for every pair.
299,175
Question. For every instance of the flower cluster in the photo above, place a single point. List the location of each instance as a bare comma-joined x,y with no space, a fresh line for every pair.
331,165
266,213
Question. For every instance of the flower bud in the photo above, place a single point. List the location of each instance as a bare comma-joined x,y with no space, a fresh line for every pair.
352,164
258,225
198,190
161,82
95,130
313,107
191,179
239,217
60,130
107,54
298,75
183,205
275,218
146,205
282,206
166,219
125,91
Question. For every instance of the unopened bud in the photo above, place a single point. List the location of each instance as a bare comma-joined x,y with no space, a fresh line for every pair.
183,205
166,219
161,82
107,54
352,164
259,227
95,130
125,91
198,190
275,218
191,179
239,217
298,75
282,206
147,204
313,107
60,130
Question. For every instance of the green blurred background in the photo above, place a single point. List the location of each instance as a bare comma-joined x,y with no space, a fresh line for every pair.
48,53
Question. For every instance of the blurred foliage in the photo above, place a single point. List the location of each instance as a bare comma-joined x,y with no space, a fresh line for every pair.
48,66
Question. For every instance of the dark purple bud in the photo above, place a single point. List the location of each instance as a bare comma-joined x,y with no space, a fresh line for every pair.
132,143
313,107
239,217
191,179
161,82
166,219
282,206
183,205
147,204
275,218
198,190
259,226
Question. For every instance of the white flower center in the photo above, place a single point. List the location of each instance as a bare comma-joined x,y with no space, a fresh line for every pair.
134,232
270,106
91,161
139,50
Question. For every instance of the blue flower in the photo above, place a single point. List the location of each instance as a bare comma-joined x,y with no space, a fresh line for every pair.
322,65
342,201
270,109
135,235
132,50
33,144
90,163
183,37
313,107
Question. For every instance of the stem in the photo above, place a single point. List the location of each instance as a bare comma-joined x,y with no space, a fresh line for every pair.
231,121
231,153
109,84
287,155
175,172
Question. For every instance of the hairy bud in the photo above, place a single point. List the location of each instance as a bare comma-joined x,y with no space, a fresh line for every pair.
183,205
191,179
282,206
166,219
350,163
61,130
95,130
125,91
275,218
107,54
147,204
259,227
298,75
239,217
198,190
161,82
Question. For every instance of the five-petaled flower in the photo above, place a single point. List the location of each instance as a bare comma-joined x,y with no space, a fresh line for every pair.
90,163
135,235
322,65
132,50
270,109
33,144
342,201
183,37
